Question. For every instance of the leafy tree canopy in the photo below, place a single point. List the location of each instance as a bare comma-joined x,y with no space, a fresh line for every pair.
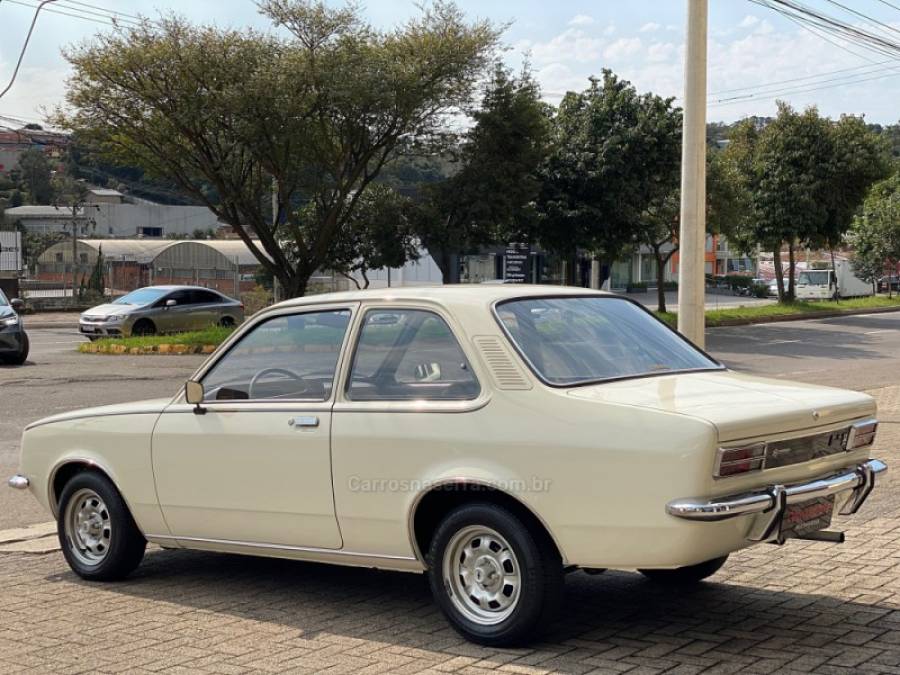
224,113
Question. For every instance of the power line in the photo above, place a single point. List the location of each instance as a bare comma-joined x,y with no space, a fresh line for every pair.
108,11
25,46
801,78
770,95
111,21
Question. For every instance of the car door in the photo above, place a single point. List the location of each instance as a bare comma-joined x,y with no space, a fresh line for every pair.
171,319
255,466
205,306
411,403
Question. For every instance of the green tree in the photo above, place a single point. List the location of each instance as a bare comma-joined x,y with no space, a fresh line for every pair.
381,233
227,113
658,228
491,196
614,153
875,235
805,175
35,171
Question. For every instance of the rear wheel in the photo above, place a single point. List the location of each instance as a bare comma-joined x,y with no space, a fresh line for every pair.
226,322
20,358
496,581
99,538
686,576
143,327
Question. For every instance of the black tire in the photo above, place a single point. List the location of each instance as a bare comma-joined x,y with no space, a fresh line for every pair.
22,356
126,544
686,576
143,327
226,322
540,575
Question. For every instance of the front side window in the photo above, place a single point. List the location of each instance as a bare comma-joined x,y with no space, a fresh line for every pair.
287,357
578,340
407,355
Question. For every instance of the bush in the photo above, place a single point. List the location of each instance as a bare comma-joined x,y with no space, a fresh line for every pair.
738,281
670,286
759,290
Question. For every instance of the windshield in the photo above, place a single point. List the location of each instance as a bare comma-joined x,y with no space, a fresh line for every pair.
815,278
142,296
577,340
3,301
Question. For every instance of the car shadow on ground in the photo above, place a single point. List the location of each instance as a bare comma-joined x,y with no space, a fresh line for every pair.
605,618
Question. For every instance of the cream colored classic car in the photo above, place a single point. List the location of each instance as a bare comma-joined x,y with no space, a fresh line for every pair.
493,437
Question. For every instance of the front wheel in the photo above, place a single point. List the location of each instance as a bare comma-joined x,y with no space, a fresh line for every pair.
686,576
497,581
22,354
99,538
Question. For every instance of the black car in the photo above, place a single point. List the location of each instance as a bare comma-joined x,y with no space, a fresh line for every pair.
13,338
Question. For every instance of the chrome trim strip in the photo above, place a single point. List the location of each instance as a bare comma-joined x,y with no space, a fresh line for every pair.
283,547
751,503
81,416
18,482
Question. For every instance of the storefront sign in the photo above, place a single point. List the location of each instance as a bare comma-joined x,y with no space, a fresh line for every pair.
516,263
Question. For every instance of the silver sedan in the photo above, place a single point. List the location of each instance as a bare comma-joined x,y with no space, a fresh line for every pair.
161,309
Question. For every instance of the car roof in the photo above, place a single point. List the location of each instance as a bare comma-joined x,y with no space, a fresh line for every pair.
449,294
177,288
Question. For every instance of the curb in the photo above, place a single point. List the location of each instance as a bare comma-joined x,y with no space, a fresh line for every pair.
811,316
167,349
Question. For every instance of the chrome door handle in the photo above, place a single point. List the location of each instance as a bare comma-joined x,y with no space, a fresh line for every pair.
304,421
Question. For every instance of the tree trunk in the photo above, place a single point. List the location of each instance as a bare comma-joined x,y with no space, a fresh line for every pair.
779,270
833,275
792,263
660,280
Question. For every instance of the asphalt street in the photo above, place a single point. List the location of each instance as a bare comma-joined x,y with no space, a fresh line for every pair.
858,352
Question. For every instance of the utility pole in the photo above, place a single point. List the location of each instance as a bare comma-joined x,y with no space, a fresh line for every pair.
692,237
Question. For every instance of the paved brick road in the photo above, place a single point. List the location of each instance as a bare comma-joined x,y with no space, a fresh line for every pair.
806,607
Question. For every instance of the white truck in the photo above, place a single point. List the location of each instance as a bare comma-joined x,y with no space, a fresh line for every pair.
826,284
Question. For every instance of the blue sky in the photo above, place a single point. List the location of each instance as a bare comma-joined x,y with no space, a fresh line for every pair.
642,40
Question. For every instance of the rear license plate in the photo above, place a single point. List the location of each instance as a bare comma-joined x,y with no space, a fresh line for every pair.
87,329
805,517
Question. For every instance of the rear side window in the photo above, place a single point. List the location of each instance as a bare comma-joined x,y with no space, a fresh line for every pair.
204,297
409,354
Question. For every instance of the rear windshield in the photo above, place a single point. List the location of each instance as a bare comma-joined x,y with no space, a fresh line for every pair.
578,340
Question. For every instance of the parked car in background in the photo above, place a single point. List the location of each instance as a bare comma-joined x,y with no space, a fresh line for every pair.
492,437
14,343
161,309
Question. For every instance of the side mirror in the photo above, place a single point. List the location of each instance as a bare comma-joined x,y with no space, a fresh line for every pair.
18,305
171,303
193,394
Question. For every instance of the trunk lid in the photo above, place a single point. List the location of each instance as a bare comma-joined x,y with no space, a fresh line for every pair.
740,406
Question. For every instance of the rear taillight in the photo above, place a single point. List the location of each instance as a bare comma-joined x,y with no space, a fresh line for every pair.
743,459
862,434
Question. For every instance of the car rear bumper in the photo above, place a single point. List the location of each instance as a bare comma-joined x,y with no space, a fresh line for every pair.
851,487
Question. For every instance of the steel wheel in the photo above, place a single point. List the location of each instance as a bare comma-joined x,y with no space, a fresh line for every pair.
482,575
88,527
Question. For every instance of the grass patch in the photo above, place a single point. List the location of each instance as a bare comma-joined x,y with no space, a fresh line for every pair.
727,315
210,336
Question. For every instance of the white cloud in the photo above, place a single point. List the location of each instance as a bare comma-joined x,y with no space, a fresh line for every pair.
573,44
660,51
623,48
650,27
581,20
748,21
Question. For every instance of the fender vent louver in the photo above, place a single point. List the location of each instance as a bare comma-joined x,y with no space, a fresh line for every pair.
503,368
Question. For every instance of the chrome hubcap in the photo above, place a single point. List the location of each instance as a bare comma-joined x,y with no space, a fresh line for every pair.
481,574
88,527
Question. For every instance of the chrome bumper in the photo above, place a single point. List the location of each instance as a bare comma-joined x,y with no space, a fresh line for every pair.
18,482
774,499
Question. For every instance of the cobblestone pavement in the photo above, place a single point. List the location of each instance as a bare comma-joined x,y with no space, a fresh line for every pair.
804,607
